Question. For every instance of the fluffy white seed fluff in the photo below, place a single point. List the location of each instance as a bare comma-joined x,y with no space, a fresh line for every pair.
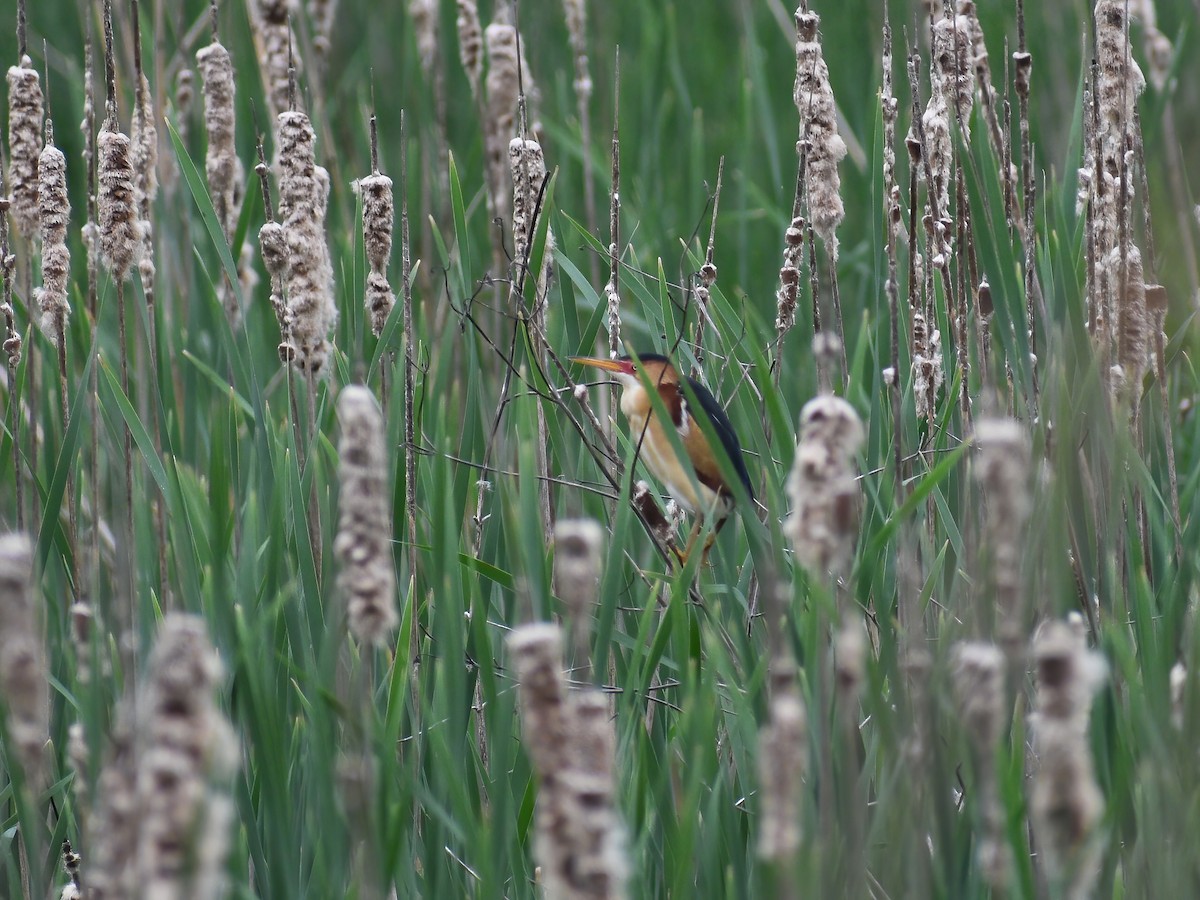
120,227
23,674
54,212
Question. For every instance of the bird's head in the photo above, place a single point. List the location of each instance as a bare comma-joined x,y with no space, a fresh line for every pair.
659,369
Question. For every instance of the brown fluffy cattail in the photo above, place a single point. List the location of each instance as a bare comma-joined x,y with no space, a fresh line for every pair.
24,681
54,212
823,488
363,544
578,841
113,826
470,42
789,277
24,143
578,549
953,67
528,167
275,46
782,761
379,213
143,139
221,164
938,148
424,15
1002,470
1132,319
499,126
185,744
1066,804
303,192
322,14
979,673
818,127
927,368
120,228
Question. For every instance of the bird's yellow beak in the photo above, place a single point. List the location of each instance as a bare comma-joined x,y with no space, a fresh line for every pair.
609,365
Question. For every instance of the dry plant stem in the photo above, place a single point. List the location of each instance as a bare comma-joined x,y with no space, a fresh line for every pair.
612,289
708,274
54,212
91,236
1024,66
410,368
147,180
576,11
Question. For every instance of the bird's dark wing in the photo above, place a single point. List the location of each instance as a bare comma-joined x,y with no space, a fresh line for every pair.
724,430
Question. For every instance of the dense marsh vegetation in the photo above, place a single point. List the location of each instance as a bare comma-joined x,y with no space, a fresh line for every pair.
295,468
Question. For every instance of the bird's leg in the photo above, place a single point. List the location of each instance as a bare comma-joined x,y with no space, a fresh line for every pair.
693,536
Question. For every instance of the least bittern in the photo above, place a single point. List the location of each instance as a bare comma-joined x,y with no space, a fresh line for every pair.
707,492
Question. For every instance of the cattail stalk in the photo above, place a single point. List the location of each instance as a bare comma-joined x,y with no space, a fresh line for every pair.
54,213
577,32
528,166
367,580
120,241
707,278
410,369
612,288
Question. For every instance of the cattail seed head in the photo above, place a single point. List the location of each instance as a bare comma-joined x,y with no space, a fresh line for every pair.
424,14
503,87
813,96
277,52
144,144
528,167
935,125
1133,325
24,143
979,689
782,762
954,68
303,197
379,214
221,164
23,674
823,488
470,41
1003,473
363,545
537,651
578,549
1066,803
185,744
54,212
120,228
578,842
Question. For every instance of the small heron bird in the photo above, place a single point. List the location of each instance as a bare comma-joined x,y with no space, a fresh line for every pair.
708,492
